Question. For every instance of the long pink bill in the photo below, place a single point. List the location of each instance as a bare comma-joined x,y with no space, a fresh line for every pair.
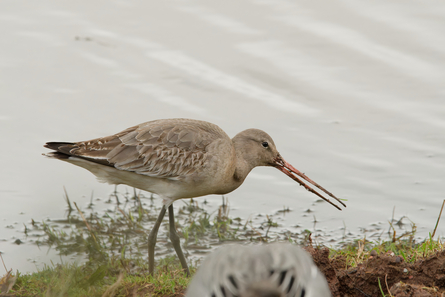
290,170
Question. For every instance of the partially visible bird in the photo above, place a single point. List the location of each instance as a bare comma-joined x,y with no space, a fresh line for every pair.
177,158
270,270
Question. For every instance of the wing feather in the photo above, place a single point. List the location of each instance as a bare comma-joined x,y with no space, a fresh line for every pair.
163,148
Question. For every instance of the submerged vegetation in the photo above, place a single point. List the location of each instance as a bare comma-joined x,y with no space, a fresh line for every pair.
113,246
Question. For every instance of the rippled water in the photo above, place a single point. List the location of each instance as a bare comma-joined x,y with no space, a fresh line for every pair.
352,93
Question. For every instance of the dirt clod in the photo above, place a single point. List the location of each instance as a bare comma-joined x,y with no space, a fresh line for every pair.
421,278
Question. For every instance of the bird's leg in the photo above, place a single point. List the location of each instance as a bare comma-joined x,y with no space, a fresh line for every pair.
152,240
174,238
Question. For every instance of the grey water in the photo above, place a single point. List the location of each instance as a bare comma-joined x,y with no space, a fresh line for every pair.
352,93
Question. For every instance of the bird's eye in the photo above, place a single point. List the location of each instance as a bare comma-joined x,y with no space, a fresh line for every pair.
265,144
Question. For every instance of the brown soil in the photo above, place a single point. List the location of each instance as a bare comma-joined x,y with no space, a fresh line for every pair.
422,278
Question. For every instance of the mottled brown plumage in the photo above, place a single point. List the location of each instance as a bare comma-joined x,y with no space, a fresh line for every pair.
170,149
178,158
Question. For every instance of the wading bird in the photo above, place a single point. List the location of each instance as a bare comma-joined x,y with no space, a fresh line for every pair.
177,158
270,270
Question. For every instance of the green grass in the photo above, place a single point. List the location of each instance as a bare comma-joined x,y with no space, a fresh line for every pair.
357,252
113,278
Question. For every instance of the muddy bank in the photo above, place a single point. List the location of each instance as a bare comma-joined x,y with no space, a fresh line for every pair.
422,278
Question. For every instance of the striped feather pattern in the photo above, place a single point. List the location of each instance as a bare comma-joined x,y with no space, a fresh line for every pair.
271,270
163,148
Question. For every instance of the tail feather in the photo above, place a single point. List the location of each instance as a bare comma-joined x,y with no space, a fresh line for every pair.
64,150
57,145
57,155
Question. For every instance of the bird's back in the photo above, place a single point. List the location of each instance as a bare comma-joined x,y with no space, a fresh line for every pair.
168,149
273,270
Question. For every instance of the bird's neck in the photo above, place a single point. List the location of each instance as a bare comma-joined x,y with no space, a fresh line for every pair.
243,166
241,172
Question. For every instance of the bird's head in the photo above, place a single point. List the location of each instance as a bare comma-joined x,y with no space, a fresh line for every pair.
257,148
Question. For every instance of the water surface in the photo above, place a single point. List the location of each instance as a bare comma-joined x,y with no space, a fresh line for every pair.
352,94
